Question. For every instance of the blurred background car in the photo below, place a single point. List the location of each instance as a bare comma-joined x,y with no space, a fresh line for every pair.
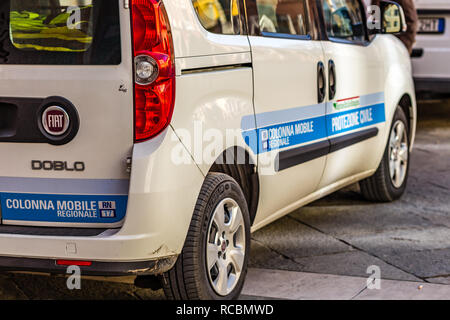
431,54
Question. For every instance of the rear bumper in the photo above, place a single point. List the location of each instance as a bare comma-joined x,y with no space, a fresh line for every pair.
113,269
432,85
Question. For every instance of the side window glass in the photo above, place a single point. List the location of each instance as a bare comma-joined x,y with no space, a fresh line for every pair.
283,16
344,19
219,16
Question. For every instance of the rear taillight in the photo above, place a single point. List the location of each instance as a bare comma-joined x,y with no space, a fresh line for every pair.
154,88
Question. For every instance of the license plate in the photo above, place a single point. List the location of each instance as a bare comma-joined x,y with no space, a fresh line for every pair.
431,25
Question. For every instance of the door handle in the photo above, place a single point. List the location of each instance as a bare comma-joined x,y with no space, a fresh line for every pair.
321,82
331,79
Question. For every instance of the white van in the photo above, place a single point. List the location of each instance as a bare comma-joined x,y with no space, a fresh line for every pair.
431,54
150,137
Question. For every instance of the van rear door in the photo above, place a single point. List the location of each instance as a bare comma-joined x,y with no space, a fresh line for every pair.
66,112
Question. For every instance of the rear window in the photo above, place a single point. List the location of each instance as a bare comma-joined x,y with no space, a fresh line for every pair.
60,32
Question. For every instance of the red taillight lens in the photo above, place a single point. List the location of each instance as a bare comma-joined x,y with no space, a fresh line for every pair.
152,38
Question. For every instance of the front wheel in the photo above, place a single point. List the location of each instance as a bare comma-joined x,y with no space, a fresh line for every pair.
389,181
213,263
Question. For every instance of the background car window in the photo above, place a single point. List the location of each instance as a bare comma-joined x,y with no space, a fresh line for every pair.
219,16
344,20
283,16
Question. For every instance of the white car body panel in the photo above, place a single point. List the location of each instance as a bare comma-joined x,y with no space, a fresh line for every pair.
96,114
192,40
284,92
353,63
168,171
148,232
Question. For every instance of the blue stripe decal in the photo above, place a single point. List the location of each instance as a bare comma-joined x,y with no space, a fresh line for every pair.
63,208
282,116
341,122
275,132
89,201
289,134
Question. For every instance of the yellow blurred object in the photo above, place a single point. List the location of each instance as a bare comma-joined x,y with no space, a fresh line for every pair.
235,8
217,15
28,31
209,12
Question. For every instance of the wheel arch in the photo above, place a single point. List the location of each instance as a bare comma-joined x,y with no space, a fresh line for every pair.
406,103
237,163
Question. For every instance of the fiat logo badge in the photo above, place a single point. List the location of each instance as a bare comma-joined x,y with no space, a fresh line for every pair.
55,120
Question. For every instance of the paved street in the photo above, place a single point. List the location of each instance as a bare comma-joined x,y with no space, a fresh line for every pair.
343,234
324,250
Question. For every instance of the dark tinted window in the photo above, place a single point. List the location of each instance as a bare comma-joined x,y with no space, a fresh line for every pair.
72,32
219,16
344,19
283,16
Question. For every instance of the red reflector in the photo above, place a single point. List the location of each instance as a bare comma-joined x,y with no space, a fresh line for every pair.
73,263
152,37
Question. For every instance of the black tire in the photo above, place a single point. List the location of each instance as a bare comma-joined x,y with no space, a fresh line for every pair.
189,279
379,187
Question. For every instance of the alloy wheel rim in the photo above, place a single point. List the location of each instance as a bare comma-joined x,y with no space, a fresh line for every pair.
398,154
225,248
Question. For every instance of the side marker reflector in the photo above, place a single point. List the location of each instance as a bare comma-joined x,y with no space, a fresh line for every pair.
73,263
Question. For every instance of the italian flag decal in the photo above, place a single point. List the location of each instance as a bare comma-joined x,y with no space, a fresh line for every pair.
347,103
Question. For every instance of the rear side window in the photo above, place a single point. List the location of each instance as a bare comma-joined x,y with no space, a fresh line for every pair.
344,20
219,16
283,16
60,32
